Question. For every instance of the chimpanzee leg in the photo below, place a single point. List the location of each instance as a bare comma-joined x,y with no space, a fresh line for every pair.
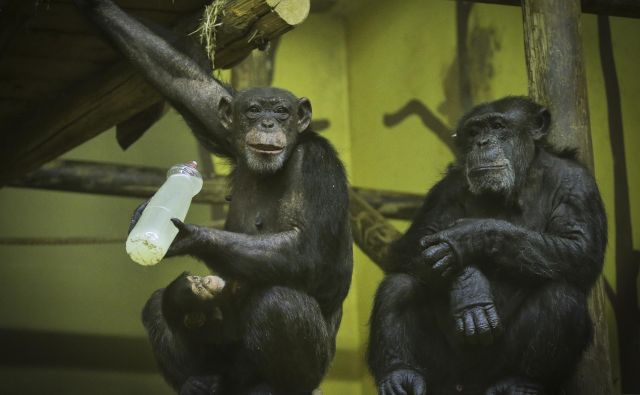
405,335
545,340
286,347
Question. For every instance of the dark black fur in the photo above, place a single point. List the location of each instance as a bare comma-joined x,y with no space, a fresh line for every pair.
285,253
488,289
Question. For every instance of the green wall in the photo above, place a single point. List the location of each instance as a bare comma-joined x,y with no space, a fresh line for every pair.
354,68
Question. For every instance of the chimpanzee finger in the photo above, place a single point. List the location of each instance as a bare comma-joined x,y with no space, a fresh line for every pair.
419,387
426,241
436,252
397,388
180,246
444,266
469,327
493,318
182,227
449,272
460,326
384,389
137,213
483,330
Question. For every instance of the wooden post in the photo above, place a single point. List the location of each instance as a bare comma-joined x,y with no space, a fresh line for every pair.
553,47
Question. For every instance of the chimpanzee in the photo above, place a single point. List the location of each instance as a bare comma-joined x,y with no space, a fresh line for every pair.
286,252
487,290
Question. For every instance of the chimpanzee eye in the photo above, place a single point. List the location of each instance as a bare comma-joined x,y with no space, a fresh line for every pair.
253,111
497,125
281,112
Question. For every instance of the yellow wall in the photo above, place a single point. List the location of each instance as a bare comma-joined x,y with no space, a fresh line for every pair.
354,69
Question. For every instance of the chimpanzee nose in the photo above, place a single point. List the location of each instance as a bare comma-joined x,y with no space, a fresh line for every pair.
482,141
267,123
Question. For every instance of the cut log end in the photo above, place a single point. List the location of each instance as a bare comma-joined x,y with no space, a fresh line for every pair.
293,12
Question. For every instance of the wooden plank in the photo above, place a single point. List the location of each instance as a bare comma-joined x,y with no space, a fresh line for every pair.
10,107
60,45
20,67
553,47
117,95
65,17
180,6
29,89
624,8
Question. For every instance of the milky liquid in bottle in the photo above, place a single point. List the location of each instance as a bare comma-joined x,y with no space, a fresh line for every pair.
150,239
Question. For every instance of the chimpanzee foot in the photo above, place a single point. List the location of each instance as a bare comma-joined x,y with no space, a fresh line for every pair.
201,385
205,287
516,386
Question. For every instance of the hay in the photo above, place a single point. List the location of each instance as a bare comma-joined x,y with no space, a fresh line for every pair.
208,27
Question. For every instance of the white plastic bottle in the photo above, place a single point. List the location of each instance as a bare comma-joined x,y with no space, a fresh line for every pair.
150,239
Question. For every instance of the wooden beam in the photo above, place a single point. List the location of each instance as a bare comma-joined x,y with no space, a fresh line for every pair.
371,231
553,47
112,179
392,204
624,8
119,93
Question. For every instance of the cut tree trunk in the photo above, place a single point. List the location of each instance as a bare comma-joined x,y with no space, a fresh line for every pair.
553,47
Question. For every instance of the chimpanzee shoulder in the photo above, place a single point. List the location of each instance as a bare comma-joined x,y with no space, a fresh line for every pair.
324,176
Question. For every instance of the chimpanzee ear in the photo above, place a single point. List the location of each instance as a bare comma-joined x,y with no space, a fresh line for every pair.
225,112
304,114
542,123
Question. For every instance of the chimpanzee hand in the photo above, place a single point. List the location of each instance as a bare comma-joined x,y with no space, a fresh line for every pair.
136,215
439,255
201,385
472,308
403,382
188,239
452,248
516,386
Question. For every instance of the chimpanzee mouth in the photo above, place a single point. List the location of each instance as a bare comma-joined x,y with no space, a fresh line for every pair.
495,167
266,148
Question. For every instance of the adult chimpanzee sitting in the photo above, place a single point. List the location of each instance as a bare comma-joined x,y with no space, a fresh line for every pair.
285,252
487,291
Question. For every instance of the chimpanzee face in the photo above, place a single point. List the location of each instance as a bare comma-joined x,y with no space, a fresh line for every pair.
497,144
266,123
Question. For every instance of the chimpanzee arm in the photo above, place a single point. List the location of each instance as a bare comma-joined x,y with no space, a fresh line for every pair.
189,88
571,248
272,258
439,210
